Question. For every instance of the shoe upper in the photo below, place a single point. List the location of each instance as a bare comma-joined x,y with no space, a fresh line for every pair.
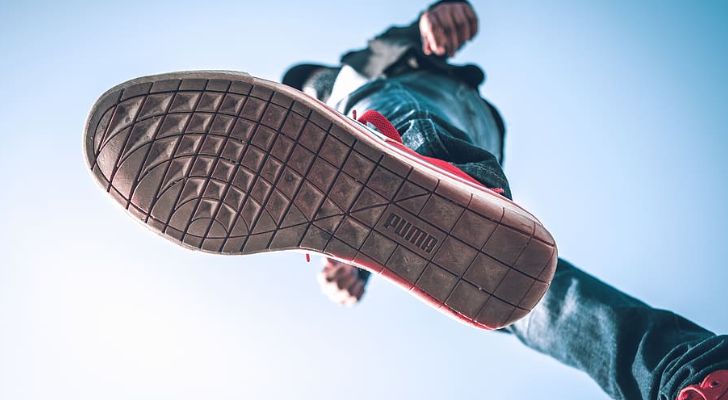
383,126
713,387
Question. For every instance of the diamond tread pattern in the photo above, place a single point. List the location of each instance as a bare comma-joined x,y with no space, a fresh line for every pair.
236,167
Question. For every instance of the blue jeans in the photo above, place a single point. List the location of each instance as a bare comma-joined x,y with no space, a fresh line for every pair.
437,117
633,351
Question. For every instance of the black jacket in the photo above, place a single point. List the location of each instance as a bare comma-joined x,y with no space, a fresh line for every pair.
397,50
400,48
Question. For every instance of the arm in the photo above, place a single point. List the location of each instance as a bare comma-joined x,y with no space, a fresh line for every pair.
446,26
435,35
342,283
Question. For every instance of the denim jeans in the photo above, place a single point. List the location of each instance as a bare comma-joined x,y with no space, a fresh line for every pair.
630,349
433,114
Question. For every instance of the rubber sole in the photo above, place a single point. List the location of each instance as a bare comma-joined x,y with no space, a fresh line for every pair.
227,163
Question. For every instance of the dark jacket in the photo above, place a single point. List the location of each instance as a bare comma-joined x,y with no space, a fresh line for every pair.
399,49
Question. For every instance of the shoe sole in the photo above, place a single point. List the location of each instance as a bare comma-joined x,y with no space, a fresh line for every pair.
227,163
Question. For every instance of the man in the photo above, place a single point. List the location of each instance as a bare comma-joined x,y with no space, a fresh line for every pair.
630,349
232,164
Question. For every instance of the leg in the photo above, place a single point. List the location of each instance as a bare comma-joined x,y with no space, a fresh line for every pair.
438,117
231,164
630,349
633,351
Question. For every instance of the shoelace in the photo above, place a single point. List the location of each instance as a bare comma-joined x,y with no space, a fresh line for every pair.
381,123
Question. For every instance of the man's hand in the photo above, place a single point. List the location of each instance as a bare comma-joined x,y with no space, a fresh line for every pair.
447,27
341,282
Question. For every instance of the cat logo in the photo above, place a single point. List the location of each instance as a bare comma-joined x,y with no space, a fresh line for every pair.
410,233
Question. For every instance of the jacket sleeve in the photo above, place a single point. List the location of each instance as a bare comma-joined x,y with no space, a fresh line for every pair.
403,44
387,50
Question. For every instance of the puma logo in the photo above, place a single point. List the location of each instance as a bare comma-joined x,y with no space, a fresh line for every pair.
410,233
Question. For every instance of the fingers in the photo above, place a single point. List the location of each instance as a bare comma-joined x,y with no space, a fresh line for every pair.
438,39
341,283
428,40
450,29
445,28
355,293
472,20
333,269
347,278
350,294
461,20
441,31
426,46
340,277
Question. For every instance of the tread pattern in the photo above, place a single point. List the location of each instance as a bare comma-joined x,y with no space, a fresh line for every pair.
235,167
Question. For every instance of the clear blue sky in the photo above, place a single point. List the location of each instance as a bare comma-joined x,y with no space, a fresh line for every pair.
616,112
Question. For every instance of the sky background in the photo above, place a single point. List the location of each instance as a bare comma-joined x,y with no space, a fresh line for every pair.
616,116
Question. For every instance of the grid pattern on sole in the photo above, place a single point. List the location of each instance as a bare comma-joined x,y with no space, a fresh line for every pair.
238,168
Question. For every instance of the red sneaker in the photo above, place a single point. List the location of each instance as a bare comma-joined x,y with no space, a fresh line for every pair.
228,163
713,387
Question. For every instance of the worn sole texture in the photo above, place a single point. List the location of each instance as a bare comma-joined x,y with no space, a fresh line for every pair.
228,163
